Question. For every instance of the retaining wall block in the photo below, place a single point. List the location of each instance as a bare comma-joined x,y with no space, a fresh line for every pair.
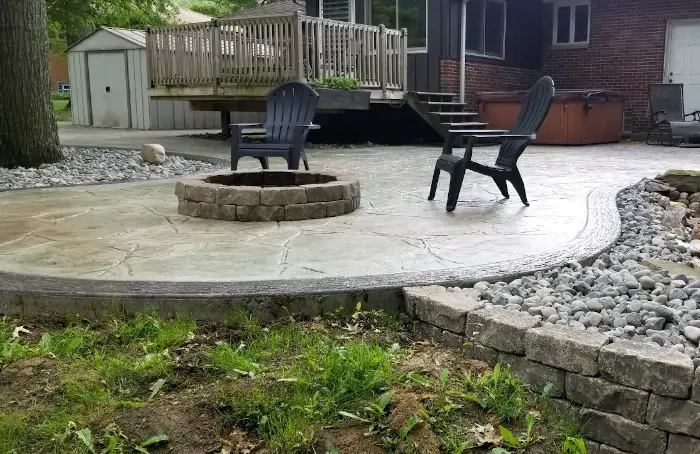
674,415
435,305
648,367
603,395
680,444
622,433
565,348
501,329
536,375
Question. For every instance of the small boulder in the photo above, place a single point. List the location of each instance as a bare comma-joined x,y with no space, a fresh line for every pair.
683,180
657,186
696,231
153,153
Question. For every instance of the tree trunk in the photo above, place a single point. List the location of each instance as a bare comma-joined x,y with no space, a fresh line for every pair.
28,132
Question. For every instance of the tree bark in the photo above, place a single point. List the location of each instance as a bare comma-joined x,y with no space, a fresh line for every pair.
28,131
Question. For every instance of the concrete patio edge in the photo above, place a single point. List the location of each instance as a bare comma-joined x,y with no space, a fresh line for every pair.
40,295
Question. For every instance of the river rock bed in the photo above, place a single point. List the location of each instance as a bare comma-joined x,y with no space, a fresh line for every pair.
623,293
99,165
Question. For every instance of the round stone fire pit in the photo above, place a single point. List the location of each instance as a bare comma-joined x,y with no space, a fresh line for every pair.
267,195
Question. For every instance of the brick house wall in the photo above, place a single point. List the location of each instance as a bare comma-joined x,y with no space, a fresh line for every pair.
58,68
484,76
625,52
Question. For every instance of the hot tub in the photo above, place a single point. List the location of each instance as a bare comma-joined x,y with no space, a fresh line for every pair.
577,117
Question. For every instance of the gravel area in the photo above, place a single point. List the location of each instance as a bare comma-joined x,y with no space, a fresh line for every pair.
618,294
99,165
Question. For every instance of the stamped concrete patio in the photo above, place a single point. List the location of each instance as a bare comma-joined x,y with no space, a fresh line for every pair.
132,231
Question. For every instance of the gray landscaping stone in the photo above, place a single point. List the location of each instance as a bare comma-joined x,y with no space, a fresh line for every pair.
437,306
696,382
227,213
427,331
452,340
482,353
644,366
198,191
304,211
535,374
680,444
592,447
623,433
572,350
282,196
500,329
683,180
188,208
605,449
238,195
605,396
260,213
208,210
674,415
327,192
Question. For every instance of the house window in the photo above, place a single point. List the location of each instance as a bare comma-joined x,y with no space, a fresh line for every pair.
486,28
397,14
571,22
342,10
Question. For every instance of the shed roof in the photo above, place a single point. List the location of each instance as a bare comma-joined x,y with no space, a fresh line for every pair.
135,37
278,7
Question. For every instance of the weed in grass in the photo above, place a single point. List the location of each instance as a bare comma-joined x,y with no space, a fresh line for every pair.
152,334
284,402
498,391
70,342
13,433
526,439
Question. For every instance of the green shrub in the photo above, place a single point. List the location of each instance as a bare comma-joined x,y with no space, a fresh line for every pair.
337,83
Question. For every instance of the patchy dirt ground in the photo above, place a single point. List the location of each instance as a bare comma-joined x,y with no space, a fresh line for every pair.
176,387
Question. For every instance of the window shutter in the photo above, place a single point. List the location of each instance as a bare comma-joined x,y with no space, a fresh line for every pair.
336,10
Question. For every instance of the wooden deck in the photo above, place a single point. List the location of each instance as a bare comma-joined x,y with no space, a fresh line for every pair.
245,58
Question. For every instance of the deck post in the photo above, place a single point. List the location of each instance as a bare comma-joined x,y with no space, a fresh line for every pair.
298,47
215,50
382,60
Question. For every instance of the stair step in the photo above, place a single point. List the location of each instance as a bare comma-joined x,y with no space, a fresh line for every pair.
455,114
465,125
450,104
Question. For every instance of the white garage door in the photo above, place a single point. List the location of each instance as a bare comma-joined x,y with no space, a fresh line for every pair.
684,61
109,97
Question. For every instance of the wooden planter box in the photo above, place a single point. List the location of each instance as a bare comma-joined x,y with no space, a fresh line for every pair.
577,117
331,99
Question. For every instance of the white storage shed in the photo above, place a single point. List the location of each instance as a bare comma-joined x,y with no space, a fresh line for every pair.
109,87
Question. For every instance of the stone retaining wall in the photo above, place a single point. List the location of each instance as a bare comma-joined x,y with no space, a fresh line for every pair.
635,397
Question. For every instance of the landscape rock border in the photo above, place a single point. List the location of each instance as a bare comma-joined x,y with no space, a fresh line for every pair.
266,195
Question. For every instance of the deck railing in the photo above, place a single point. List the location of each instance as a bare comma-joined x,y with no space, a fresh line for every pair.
266,50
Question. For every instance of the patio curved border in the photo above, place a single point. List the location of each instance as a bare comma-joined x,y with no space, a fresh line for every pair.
40,295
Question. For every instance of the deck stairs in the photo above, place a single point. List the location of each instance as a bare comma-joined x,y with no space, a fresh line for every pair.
442,113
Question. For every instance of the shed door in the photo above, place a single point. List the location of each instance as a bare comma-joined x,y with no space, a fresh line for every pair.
109,96
684,61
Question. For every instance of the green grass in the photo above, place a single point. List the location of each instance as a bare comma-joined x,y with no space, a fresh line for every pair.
283,384
61,110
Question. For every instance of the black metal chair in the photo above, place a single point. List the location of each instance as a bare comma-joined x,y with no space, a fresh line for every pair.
668,117
291,107
534,109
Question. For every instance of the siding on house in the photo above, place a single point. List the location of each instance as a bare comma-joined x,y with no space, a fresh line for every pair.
58,68
626,50
519,68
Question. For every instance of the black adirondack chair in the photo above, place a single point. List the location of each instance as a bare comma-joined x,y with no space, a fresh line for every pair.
668,118
291,107
534,109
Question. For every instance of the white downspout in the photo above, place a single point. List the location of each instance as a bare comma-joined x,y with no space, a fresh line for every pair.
462,52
